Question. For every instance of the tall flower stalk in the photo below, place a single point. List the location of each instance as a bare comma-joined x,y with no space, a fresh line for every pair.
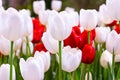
11,59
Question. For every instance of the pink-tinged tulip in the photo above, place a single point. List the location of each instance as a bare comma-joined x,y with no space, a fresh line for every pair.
88,54
5,71
88,19
104,15
117,58
13,24
88,75
112,41
45,57
60,26
49,41
24,47
32,68
56,5
4,46
71,58
105,59
101,34
27,22
38,6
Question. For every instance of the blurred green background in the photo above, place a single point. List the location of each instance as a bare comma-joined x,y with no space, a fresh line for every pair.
76,4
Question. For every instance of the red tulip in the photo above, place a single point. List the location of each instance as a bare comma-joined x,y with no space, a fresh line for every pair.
112,23
72,40
38,30
88,54
117,28
39,47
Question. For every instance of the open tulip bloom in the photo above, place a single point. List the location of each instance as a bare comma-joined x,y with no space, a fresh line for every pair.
60,45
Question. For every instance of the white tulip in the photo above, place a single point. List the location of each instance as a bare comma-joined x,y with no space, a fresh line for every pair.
69,9
4,46
105,59
45,57
49,41
32,69
71,58
24,47
17,44
5,71
28,25
88,19
104,14
56,5
60,26
38,6
90,76
14,27
113,6
117,46
101,34
117,58
0,3
112,42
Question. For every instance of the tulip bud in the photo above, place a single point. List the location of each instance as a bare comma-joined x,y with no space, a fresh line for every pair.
88,54
106,59
71,58
90,76
5,72
56,5
101,34
38,6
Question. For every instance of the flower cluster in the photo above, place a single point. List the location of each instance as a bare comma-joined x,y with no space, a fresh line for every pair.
60,45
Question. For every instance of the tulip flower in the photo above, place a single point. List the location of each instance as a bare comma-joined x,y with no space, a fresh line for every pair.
38,6
49,41
60,26
4,46
17,44
117,28
28,25
32,68
112,41
24,48
71,58
101,34
69,9
105,59
88,54
117,58
45,57
88,19
5,71
39,47
14,27
88,74
38,30
56,5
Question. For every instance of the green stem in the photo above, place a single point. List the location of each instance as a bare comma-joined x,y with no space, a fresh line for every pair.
11,59
28,51
88,37
113,64
60,60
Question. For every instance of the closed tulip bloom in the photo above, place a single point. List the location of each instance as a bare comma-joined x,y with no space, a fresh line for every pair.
101,34
88,19
24,47
60,26
112,41
17,44
88,54
4,46
14,27
56,5
105,59
5,71
32,69
28,25
38,6
45,57
117,58
49,41
71,58
90,76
